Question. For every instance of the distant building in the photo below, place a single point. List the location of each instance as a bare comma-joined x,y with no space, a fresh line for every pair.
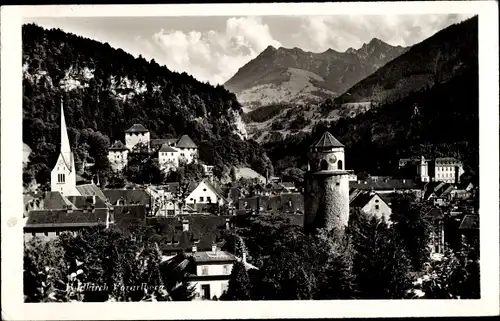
172,152
137,134
441,169
205,193
371,203
118,156
387,185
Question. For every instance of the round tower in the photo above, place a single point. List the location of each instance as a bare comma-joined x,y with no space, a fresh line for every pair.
326,185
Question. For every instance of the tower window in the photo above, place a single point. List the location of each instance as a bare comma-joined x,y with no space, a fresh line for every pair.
323,165
339,164
61,178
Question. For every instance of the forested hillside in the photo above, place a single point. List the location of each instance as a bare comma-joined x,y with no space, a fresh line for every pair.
435,60
106,90
441,121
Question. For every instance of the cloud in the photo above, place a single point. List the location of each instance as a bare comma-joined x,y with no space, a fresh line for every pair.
318,33
212,56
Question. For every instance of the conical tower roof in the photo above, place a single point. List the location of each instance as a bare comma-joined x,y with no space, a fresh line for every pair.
327,141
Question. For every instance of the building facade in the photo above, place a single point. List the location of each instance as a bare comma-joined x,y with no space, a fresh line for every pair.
118,156
326,185
135,135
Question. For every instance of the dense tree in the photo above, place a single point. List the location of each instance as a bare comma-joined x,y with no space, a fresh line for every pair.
412,227
239,287
380,264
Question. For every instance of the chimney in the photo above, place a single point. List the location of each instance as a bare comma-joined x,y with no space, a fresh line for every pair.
267,176
93,199
359,181
185,225
107,218
404,181
244,259
194,249
227,224
69,209
214,248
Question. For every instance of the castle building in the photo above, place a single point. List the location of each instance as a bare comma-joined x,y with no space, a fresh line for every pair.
118,156
135,135
326,197
441,169
63,175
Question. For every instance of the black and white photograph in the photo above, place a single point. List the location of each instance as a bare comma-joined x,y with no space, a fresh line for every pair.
260,157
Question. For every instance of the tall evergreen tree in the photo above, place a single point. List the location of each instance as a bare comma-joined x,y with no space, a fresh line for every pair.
239,287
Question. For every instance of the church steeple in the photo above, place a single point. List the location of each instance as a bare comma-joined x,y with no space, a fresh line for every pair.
65,147
63,175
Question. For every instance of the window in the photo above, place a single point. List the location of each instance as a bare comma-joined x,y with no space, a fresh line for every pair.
209,200
225,269
204,270
377,207
46,233
33,234
339,164
323,165
60,178
57,232
201,198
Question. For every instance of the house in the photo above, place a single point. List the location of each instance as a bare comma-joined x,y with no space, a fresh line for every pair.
213,270
205,193
137,134
469,228
118,156
371,203
168,158
285,203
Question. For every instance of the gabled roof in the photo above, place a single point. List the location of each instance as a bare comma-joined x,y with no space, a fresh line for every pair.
159,141
56,201
209,256
361,199
62,218
327,141
129,196
185,142
470,222
167,149
137,128
87,201
447,161
118,145
90,190
204,231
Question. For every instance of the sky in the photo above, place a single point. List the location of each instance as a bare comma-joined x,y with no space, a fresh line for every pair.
212,49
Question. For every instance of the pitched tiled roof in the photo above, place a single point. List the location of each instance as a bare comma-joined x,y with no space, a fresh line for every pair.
203,231
447,161
327,141
470,222
277,204
129,215
171,187
86,202
167,149
129,196
63,218
118,145
435,213
361,199
55,201
185,142
90,190
209,256
137,128
384,184
159,142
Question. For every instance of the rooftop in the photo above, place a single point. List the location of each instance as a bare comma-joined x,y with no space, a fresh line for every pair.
127,196
386,184
64,218
137,128
165,148
185,142
118,145
211,256
327,141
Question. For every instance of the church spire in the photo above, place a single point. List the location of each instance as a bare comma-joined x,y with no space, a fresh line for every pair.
65,147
